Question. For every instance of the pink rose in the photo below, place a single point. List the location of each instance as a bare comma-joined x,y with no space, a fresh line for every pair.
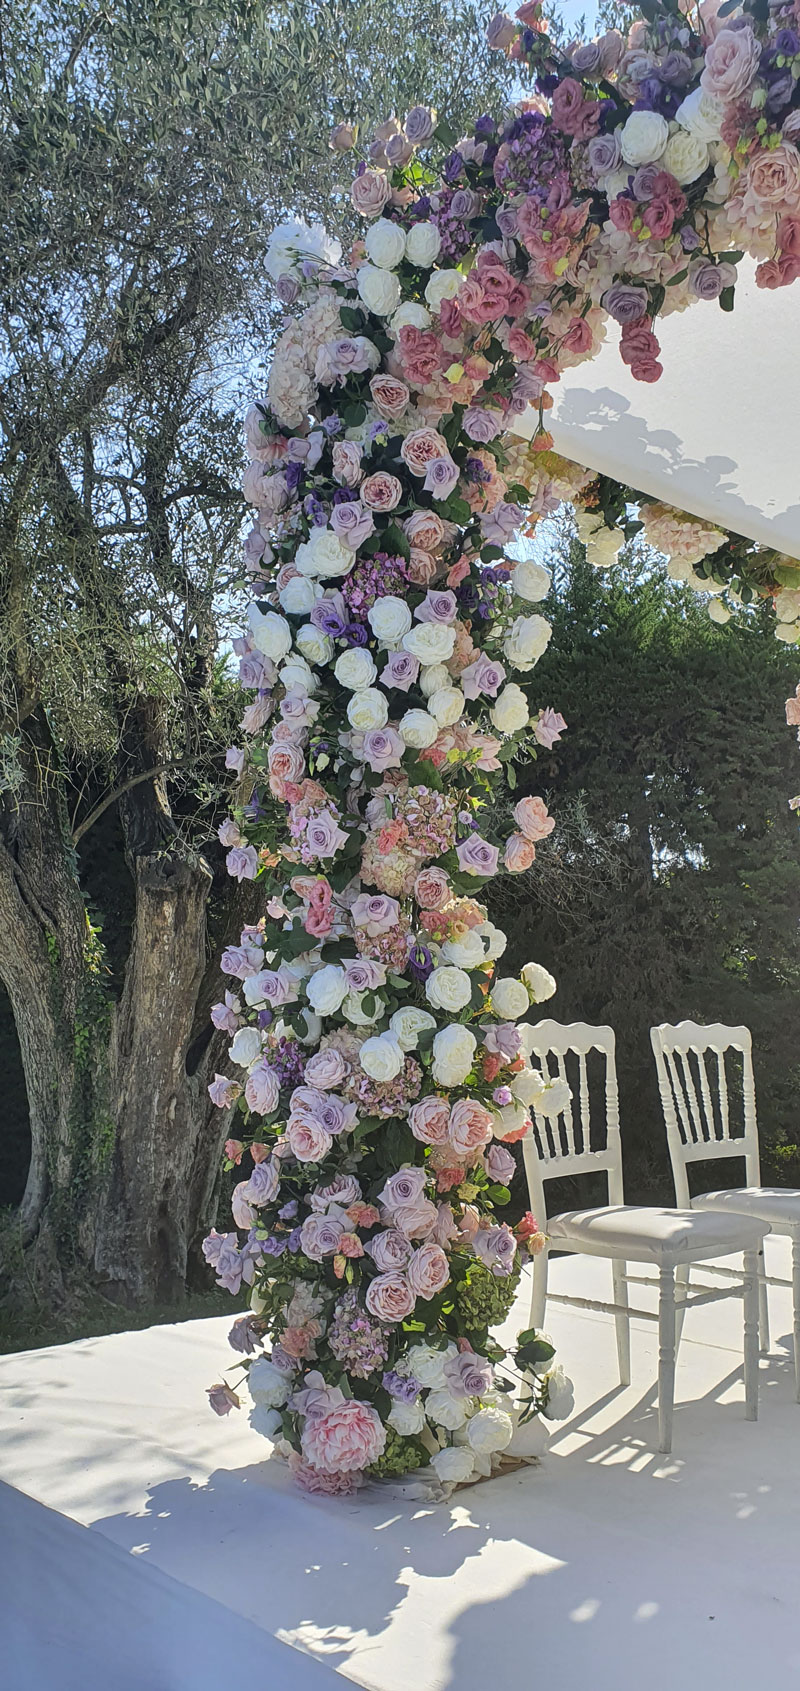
429,1119
428,1271
417,1221
389,1297
326,1069
389,1250
420,354
519,854
390,396
432,889
285,763
308,1140
425,530
262,1088
639,349
793,710
346,459
320,1236
420,447
773,179
731,63
347,1439
370,192
421,567
381,492
532,819
470,1127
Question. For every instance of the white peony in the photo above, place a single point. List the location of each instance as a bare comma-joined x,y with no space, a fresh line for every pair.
245,1047
292,242
446,704
266,1384
531,581
643,137
324,554
379,289
526,640
701,114
354,1012
446,1410
271,633
433,677
418,729
314,646
385,243
389,618
718,612
685,156
367,709
431,642
355,668
448,988
422,245
453,1464
495,940
489,1431
296,672
539,982
442,285
406,1418
382,1057
529,1087
510,710
510,1119
560,1394
265,1421
410,315
408,1023
299,596
453,1055
327,989
509,999
467,952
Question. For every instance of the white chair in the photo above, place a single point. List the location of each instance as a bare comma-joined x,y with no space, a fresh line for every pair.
558,1146
696,1076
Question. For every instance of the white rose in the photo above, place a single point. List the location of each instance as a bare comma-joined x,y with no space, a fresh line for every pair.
718,612
496,940
685,156
453,1464
379,289
453,1055
588,522
531,581
490,1430
327,989
701,114
265,1421
446,704
787,604
442,285
527,637
314,646
382,1057
406,1418
788,632
291,242
510,710
324,554
385,243
560,1394
426,1364
615,183
450,989
245,1047
433,677
509,999
354,1013
422,245
509,1119
271,633
446,1410
410,315
355,669
603,546
295,672
299,596
418,729
367,709
468,952
431,642
389,618
539,982
528,1087
408,1023
643,137
266,1384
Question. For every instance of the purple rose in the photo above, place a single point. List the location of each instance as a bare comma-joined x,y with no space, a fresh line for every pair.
343,1190
224,1256
419,125
320,1236
243,1214
403,1188
382,748
352,523
502,523
389,1250
465,205
287,289
364,974
503,1040
253,671
496,1248
586,58
707,280
500,33
477,856
328,618
242,863
224,1016
500,1164
439,605
625,303
482,424
441,477
676,69
241,960
403,1387
262,1089
222,1399
645,181
263,1184
468,1375
401,671
228,833
323,835
271,986
483,677
245,1334
604,153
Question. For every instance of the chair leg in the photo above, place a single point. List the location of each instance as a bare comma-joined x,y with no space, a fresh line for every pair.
666,1358
682,1280
622,1322
763,1304
796,1311
750,1291
539,1289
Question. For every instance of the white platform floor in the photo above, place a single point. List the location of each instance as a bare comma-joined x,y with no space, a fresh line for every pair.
607,1566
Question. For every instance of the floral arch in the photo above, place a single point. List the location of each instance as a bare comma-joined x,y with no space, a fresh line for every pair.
380,1049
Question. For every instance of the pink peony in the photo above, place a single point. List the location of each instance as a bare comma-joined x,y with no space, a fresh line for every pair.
532,819
345,1440
425,530
519,854
470,1127
428,1271
381,492
389,1297
429,1119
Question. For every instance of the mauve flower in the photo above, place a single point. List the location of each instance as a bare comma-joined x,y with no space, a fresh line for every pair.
500,1164
497,1249
482,424
624,302
377,913
482,678
419,125
549,727
401,671
382,748
405,1187
469,1127
439,605
390,396
320,1236
242,863
604,153
323,835
503,1040
234,759
441,477
222,1399
261,1088
370,192
731,62
352,523
502,523
468,1375
428,1271
326,1069
429,1119
476,856
389,1250
246,1334
381,492
223,1092
263,1184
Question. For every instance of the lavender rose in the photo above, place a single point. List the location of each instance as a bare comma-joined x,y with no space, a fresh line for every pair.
352,523
707,280
382,748
320,1236
405,1187
624,302
441,477
419,125
482,424
389,1250
468,1375
500,1164
326,1069
439,605
477,856
263,1184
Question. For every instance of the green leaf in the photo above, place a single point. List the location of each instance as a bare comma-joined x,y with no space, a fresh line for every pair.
726,299
352,319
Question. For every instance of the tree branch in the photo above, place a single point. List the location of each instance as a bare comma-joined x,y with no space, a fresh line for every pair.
119,792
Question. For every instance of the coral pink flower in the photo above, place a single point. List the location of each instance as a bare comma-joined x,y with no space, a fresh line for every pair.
519,854
347,1438
532,818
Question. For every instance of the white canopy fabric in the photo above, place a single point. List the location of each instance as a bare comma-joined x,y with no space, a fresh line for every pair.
719,434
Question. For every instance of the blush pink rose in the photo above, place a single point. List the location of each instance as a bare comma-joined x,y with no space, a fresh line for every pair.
417,1221
432,889
532,819
773,179
286,763
308,1139
428,1271
389,1297
421,567
389,1250
389,396
370,192
731,63
346,460
381,492
425,530
420,447
519,854
429,1119
349,1437
470,1127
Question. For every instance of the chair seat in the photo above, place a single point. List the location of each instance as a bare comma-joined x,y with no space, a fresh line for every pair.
638,1234
779,1205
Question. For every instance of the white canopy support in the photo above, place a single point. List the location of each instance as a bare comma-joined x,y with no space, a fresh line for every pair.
719,434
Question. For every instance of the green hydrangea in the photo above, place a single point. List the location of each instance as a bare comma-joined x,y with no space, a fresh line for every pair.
399,1457
482,1300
